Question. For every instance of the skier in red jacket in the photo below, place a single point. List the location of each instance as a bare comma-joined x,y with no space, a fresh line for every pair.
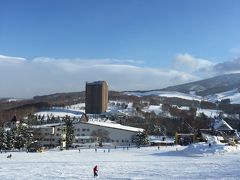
95,171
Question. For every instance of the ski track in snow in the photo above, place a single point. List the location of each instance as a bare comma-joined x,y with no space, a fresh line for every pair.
145,163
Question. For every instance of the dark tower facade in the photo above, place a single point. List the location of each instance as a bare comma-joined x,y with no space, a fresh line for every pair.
96,97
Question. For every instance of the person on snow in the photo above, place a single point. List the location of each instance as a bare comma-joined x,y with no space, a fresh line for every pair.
95,171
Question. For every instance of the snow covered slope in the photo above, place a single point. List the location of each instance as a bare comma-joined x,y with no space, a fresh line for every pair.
166,94
233,95
118,164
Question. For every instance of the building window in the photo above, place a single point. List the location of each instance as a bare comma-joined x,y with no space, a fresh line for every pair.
117,140
78,129
58,129
83,129
122,140
88,130
82,134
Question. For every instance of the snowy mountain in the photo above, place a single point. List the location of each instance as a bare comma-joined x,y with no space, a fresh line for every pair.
165,94
232,95
209,86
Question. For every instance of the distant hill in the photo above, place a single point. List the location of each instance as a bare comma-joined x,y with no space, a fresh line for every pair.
224,87
209,86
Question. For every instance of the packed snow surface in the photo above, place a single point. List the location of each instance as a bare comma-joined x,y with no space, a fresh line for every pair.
176,162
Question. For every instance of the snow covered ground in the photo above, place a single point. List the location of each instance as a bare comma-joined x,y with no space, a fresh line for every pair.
166,94
60,112
193,162
233,95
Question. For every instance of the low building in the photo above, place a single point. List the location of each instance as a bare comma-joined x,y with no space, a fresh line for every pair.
105,133
93,132
50,135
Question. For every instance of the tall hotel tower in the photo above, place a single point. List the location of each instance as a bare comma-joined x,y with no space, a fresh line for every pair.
96,98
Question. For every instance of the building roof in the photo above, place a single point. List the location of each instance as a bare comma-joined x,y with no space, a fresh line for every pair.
48,125
111,124
96,83
220,124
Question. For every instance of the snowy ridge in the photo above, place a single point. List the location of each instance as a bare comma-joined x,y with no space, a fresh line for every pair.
166,94
233,95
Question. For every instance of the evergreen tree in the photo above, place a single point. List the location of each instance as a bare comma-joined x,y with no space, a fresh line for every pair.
3,139
69,131
10,139
19,140
23,137
28,138
141,139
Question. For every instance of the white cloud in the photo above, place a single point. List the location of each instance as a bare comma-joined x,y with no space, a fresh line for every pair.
48,75
189,63
227,67
235,51
43,75
205,68
10,60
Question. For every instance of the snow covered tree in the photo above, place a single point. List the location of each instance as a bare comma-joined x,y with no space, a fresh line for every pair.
10,140
3,139
23,137
19,140
140,139
28,136
69,131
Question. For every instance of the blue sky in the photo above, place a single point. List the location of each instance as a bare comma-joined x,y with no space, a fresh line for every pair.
161,35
